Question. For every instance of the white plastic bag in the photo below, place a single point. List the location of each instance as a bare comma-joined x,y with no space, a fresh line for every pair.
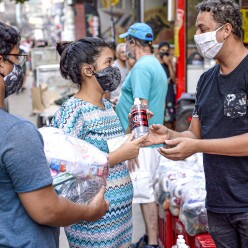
78,168
193,213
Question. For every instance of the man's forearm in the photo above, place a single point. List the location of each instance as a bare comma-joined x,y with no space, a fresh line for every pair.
63,217
46,208
185,134
232,146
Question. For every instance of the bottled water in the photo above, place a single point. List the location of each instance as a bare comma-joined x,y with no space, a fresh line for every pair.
139,118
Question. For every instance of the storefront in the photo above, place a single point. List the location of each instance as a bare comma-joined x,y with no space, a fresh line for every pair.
190,64
172,21
117,18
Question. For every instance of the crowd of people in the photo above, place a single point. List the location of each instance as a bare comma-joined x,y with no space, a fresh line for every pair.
31,211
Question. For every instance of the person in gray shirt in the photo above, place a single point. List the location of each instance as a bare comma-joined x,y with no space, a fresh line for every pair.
30,209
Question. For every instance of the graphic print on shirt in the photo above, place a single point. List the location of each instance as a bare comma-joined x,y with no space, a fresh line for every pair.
235,105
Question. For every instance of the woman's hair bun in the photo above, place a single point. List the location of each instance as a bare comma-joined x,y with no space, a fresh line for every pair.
62,46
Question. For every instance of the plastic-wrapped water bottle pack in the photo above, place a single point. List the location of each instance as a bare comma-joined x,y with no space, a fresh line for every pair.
78,168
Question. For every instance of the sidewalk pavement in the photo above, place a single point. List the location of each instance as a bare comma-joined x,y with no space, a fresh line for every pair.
21,105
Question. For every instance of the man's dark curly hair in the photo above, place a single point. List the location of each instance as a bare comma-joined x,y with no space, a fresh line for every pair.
224,11
9,37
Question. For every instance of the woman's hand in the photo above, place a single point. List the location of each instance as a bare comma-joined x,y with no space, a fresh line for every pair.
131,147
166,60
129,128
127,151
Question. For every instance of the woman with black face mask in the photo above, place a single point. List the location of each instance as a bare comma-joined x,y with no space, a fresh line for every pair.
88,63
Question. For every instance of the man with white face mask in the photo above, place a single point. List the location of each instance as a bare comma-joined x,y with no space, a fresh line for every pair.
30,209
207,44
219,126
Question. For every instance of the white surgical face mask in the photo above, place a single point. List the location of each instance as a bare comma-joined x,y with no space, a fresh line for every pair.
207,44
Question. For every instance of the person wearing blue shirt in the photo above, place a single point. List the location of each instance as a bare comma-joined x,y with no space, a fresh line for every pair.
30,210
148,82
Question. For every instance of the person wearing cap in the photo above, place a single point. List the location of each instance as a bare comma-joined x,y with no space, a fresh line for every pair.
164,58
148,82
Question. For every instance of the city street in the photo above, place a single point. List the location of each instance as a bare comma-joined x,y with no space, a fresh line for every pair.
21,105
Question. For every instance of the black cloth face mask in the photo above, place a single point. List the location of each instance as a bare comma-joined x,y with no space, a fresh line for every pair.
162,54
109,78
14,80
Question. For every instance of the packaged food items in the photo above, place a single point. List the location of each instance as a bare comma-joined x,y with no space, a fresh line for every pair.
78,168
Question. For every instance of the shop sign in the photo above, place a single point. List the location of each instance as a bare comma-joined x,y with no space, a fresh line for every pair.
108,3
244,13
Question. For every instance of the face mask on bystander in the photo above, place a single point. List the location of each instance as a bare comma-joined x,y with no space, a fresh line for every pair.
14,80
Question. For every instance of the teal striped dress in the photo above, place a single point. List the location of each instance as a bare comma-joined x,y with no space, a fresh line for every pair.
96,125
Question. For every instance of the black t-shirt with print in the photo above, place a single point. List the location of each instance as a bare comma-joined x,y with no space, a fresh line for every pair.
221,105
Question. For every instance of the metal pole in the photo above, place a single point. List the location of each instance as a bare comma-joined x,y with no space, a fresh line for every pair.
112,20
142,10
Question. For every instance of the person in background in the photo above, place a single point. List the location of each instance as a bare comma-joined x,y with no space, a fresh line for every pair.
164,58
88,63
41,43
196,59
112,46
146,81
31,212
219,127
121,63
130,62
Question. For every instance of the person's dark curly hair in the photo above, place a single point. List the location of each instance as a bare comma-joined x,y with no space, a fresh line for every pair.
75,54
224,11
9,37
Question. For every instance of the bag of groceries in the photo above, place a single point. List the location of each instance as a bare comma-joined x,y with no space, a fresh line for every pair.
78,168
